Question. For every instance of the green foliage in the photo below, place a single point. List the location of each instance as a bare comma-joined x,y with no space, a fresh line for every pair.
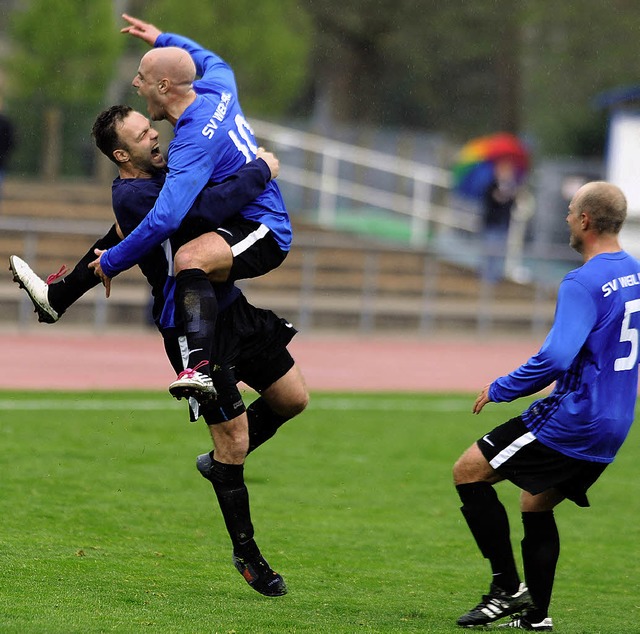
575,52
64,56
107,526
469,68
437,67
66,51
458,67
266,43
78,152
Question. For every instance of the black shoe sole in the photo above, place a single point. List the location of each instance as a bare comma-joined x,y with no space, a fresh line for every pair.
180,392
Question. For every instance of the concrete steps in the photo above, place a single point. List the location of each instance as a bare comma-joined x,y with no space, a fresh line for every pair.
329,280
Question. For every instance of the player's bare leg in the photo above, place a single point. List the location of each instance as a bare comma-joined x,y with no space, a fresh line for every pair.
277,404
209,252
288,396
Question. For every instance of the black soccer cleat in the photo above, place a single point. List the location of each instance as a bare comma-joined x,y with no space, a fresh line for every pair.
259,575
496,605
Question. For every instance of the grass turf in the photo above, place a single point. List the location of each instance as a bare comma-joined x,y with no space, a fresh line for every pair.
107,526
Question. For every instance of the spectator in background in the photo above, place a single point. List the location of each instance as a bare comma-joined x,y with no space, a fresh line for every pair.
497,206
7,143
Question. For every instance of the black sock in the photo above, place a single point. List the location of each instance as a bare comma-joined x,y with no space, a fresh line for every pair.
64,293
263,423
540,552
487,519
198,308
233,498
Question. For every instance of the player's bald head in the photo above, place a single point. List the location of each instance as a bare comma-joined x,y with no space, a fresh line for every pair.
605,203
171,63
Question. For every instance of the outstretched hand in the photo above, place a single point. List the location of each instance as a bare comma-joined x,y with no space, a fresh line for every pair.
482,399
97,269
143,30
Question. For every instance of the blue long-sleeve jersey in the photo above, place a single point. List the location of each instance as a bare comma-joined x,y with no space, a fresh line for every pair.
212,140
133,197
591,352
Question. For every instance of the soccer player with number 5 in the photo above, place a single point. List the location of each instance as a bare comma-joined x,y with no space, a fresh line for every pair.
558,447
212,140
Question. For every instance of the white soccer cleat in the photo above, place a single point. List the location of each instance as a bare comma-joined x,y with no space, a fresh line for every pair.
191,383
36,288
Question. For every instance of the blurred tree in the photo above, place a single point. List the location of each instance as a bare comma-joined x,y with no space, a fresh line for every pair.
447,66
462,68
574,51
527,66
266,43
64,54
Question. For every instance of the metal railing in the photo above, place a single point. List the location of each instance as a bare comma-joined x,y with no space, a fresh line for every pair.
425,187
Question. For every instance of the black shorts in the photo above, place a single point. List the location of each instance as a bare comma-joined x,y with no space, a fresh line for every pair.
255,250
251,346
513,451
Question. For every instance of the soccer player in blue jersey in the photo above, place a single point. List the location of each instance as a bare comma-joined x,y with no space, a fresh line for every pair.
558,447
251,342
212,140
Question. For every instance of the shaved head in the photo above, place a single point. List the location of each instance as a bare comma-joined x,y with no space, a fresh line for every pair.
605,203
171,63
165,79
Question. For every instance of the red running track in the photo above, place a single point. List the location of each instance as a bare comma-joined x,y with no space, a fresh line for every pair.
43,358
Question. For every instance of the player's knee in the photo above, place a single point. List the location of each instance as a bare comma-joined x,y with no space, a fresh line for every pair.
456,472
183,260
295,403
234,451
231,443
461,470
300,403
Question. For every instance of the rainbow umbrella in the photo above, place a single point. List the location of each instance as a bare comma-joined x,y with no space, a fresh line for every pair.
473,170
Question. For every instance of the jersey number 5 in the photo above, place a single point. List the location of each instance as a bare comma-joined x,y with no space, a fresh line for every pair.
628,334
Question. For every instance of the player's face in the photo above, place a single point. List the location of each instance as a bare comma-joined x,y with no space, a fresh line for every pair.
141,142
574,220
146,85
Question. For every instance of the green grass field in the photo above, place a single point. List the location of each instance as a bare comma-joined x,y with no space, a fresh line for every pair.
108,527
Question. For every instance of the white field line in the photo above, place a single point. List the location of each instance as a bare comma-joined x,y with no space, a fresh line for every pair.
317,403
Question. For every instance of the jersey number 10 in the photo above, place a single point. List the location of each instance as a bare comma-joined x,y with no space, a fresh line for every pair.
243,140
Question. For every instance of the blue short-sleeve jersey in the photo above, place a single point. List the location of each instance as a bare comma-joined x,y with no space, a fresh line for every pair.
591,352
